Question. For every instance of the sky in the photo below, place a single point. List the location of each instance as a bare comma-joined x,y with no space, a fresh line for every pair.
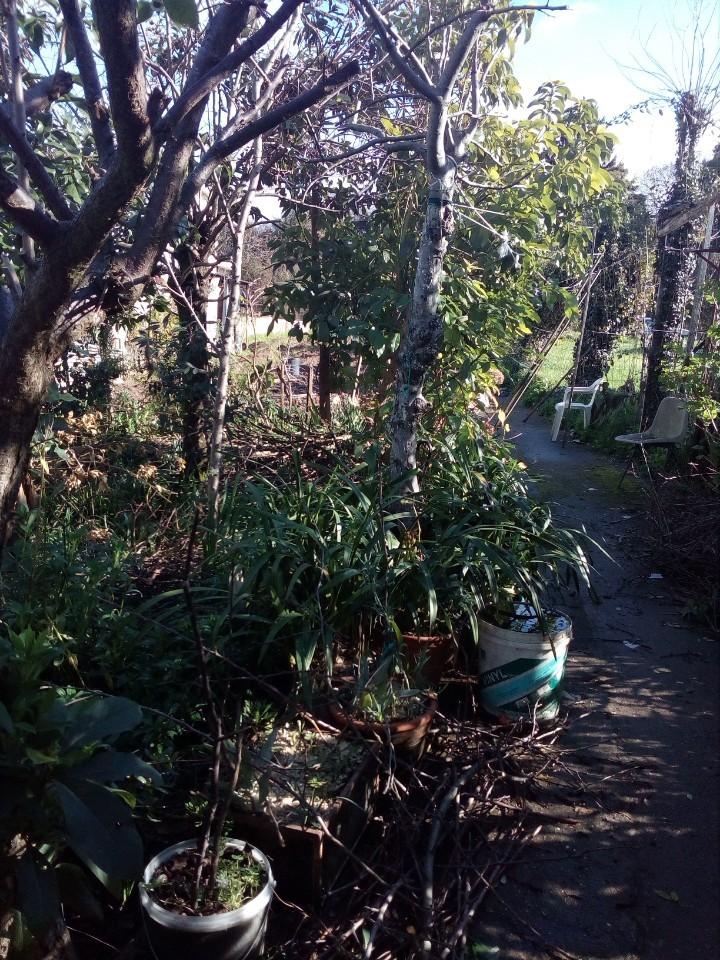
592,47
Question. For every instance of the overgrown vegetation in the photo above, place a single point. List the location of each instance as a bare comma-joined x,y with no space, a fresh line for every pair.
206,535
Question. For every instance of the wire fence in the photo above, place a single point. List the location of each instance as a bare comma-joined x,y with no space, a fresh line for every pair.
625,366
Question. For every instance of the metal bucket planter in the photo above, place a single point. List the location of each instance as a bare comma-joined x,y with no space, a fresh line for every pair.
521,670
233,935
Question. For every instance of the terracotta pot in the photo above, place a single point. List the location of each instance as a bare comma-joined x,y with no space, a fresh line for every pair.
437,650
405,735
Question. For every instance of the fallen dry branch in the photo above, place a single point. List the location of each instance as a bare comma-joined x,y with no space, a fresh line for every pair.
260,447
444,833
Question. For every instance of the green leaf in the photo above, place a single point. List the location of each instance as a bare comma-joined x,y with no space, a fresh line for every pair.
183,12
305,647
75,892
37,756
20,936
392,128
100,829
110,766
145,10
37,892
99,718
599,179
6,723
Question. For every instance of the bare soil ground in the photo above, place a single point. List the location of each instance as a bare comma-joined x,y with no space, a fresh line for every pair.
636,876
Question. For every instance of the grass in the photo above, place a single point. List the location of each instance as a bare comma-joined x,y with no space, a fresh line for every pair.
546,390
626,362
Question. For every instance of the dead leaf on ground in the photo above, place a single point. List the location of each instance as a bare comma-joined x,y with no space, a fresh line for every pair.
670,895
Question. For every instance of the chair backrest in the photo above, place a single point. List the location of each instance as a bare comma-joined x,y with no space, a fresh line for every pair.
594,387
671,420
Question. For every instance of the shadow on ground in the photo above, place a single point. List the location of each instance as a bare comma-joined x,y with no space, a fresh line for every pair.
635,875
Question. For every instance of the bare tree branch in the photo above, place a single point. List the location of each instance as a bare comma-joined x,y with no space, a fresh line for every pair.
413,71
117,26
97,109
159,217
390,144
17,90
199,88
270,120
459,55
35,167
19,205
678,220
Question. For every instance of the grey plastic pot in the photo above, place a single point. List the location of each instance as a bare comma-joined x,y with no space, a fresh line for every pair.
234,935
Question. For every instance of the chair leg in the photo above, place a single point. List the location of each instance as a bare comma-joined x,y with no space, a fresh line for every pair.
672,456
557,422
648,467
587,417
629,463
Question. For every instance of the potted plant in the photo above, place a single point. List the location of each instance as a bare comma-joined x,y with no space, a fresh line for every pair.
213,906
522,656
502,550
432,585
382,704
209,897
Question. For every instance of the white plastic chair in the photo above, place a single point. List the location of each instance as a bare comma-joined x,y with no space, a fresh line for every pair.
586,407
667,430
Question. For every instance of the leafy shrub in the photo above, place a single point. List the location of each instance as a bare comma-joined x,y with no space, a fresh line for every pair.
309,562
58,765
91,384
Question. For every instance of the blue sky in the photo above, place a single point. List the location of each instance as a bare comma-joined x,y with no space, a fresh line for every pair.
591,45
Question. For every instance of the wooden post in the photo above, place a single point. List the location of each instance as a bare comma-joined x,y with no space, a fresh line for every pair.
281,380
309,396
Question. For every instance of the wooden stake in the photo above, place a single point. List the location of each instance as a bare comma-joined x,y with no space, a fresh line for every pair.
309,397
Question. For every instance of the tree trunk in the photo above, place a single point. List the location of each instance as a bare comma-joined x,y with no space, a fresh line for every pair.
424,335
324,390
700,274
673,264
226,344
22,390
323,380
194,359
674,285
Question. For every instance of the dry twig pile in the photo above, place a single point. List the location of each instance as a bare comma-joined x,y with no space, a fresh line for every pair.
442,836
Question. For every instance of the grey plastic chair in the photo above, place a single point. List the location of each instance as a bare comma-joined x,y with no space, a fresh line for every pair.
667,431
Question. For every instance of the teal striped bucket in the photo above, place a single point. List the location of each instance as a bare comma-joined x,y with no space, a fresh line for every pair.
521,670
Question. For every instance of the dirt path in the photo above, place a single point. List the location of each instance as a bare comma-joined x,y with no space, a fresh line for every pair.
637,876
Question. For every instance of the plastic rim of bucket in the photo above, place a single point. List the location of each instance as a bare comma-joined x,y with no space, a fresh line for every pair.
218,921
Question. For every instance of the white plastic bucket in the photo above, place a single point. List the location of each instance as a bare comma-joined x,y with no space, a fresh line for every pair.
232,935
521,673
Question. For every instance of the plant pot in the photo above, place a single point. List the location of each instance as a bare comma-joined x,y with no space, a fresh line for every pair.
437,650
405,735
233,935
521,672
